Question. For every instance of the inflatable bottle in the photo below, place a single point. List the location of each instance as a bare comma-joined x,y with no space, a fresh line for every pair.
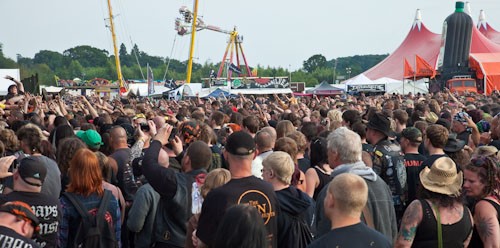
455,42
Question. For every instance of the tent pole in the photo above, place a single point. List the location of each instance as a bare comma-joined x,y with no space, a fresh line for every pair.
415,74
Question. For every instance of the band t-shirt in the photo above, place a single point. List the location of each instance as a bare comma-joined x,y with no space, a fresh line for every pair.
46,209
412,164
249,190
11,239
357,235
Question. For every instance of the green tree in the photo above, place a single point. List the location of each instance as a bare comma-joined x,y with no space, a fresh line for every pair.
5,62
88,56
314,62
75,69
53,59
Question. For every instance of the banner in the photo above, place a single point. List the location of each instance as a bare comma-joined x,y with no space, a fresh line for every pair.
234,68
366,88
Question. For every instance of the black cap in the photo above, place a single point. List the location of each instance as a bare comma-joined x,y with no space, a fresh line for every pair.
240,143
32,168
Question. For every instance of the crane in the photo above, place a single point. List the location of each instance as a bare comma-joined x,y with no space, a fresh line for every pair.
184,25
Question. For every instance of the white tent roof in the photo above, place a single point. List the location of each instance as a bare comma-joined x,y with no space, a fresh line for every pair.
359,79
143,89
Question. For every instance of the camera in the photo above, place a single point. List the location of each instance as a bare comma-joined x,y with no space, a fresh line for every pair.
144,127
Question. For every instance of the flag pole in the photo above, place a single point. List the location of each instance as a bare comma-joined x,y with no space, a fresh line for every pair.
404,72
415,74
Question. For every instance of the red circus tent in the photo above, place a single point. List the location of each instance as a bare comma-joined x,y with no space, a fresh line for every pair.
487,67
424,43
485,28
419,41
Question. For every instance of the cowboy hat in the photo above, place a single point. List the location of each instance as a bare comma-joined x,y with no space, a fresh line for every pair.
442,177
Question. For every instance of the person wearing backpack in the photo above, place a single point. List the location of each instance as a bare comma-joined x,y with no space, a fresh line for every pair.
297,208
91,216
179,191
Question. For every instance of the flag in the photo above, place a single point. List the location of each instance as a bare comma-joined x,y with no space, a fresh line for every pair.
423,69
409,72
57,80
234,68
254,72
151,82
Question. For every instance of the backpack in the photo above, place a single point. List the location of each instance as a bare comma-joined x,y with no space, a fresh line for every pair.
300,232
94,230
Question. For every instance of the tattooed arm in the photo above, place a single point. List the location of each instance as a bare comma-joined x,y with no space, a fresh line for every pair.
411,219
487,225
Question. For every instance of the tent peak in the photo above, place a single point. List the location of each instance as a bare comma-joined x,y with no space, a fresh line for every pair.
482,20
468,9
418,20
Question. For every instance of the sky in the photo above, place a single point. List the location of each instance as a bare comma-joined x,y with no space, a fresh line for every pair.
277,33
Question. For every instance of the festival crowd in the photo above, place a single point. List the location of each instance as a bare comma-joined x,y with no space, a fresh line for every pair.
415,170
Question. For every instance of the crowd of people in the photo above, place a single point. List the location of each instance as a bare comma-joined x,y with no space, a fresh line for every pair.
252,171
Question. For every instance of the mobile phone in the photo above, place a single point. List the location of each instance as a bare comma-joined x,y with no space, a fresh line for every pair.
144,127
173,134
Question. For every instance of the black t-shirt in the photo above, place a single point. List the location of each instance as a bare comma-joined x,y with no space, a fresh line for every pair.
122,157
46,209
304,164
412,164
430,160
357,235
11,239
249,190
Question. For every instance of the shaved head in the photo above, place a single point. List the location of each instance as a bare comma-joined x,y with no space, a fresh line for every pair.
118,137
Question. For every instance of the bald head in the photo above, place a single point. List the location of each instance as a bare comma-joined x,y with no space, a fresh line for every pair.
264,141
159,121
118,137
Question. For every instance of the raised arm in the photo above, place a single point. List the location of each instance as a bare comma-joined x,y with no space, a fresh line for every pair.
162,179
19,84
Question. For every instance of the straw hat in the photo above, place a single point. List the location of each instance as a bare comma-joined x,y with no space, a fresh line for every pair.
442,177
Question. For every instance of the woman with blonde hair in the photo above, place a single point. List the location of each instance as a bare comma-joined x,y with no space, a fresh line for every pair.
214,179
85,189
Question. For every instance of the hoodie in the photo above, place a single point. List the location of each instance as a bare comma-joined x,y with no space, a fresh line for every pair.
379,202
295,205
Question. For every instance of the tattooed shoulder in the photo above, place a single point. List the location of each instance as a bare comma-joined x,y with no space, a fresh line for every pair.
485,226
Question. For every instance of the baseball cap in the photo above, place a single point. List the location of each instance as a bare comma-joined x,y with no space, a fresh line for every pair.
412,134
240,143
23,210
32,168
90,137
